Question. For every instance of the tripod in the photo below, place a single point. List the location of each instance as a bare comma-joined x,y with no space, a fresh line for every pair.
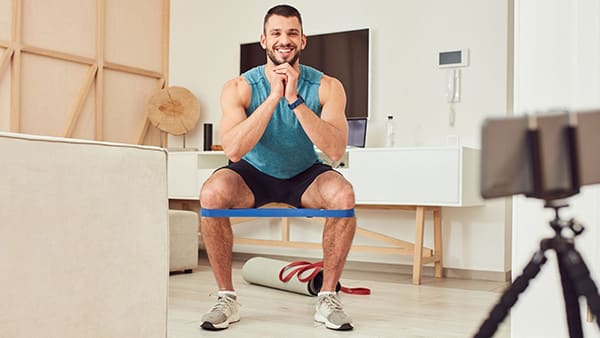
574,275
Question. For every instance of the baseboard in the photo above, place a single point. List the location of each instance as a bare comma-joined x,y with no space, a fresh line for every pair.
496,276
406,269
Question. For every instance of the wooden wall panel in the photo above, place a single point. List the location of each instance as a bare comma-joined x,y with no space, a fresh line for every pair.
68,26
51,90
4,94
154,136
5,57
131,37
5,19
5,22
82,68
85,124
125,101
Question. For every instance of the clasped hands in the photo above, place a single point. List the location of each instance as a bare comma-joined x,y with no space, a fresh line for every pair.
284,82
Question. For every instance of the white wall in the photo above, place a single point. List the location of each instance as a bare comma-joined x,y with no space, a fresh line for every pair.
557,64
406,82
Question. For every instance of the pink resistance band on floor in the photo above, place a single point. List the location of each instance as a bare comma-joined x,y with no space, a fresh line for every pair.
287,273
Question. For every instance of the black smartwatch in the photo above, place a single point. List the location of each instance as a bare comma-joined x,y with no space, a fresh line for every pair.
296,103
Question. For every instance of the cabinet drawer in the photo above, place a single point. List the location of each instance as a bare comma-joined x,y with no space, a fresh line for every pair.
398,176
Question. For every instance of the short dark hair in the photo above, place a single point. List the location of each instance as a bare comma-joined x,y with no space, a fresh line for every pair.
282,10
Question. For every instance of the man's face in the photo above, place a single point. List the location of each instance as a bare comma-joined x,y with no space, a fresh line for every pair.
283,39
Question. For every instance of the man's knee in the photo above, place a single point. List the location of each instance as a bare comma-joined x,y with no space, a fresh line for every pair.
215,194
341,193
225,189
345,196
210,197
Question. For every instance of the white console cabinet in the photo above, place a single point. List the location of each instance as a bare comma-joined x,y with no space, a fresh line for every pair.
189,169
444,176
429,176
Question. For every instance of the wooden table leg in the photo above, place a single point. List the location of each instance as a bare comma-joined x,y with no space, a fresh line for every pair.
418,255
285,229
437,239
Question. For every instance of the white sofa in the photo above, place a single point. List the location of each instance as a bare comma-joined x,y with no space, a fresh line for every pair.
83,238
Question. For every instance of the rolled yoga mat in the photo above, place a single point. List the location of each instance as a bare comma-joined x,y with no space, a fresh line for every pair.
266,272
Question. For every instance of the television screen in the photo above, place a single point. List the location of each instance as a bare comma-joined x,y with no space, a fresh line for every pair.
343,55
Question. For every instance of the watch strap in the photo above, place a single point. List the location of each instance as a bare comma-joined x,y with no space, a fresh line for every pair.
296,103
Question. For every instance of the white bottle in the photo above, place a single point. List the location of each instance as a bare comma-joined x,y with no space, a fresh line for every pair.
389,132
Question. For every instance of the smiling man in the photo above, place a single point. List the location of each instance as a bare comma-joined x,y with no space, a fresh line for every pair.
272,118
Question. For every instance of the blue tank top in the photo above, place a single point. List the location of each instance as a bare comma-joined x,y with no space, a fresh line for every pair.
284,150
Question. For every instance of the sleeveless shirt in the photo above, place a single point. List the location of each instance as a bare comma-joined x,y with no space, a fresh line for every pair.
284,150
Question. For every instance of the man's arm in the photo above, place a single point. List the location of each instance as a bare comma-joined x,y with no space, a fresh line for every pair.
239,133
330,132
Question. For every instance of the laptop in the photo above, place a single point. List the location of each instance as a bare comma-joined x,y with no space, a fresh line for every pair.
357,132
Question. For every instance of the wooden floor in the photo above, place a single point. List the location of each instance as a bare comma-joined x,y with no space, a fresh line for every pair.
396,308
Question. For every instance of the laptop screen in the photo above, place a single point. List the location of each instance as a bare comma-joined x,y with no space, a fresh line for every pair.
357,132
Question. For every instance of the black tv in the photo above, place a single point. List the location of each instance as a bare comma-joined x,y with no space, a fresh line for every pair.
343,55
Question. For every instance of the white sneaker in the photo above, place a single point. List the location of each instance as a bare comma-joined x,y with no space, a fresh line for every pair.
330,311
225,312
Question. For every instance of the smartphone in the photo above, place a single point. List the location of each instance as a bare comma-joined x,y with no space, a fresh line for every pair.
506,160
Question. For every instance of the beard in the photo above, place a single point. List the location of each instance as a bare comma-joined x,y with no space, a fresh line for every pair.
273,57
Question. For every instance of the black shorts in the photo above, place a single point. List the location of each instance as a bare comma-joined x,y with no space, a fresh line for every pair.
267,189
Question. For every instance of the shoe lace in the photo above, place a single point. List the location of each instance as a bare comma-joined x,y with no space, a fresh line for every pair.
332,302
223,304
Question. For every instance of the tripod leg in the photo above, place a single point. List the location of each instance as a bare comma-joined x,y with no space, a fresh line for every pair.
510,296
571,297
584,284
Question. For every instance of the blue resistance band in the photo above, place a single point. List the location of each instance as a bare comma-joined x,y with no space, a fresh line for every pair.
277,212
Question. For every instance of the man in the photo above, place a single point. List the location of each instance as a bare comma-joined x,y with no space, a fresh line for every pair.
272,117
